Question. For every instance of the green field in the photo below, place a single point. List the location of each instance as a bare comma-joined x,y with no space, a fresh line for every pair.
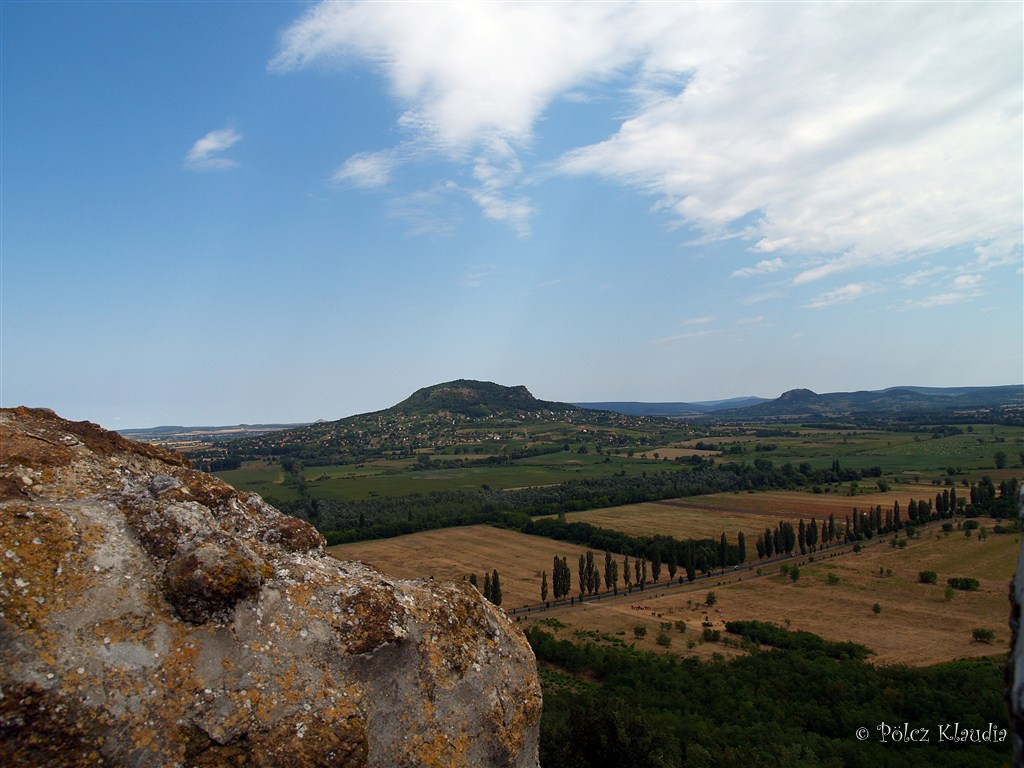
896,453
363,481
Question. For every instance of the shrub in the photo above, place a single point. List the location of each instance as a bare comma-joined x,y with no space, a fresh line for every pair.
964,584
681,626
711,635
928,577
639,631
948,593
832,579
711,599
794,573
982,635
664,640
876,608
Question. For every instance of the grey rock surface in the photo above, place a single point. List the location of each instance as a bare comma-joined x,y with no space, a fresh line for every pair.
151,615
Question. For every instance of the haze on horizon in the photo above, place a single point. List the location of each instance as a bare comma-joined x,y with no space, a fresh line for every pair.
217,213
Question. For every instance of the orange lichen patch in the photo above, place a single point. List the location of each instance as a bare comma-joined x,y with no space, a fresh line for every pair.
40,557
207,579
441,752
375,618
511,718
457,621
294,535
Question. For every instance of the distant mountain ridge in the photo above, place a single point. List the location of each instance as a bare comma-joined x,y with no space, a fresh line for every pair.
798,403
634,408
419,419
894,402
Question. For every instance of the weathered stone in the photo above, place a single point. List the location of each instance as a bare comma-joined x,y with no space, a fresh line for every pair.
150,615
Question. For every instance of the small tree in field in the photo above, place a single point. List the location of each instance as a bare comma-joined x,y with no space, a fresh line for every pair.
982,635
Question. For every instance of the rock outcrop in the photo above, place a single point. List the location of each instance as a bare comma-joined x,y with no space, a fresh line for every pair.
151,615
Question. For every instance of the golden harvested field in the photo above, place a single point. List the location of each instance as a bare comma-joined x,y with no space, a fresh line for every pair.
674,453
454,553
917,625
711,515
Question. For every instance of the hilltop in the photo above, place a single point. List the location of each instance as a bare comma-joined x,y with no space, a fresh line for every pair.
476,399
456,413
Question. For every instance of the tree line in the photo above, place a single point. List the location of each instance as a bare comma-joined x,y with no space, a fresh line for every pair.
797,704
383,517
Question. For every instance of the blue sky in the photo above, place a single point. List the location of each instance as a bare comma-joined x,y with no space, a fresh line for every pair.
216,213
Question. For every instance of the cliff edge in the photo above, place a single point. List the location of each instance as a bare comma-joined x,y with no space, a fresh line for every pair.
151,615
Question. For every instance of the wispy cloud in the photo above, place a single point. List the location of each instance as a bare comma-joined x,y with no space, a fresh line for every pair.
757,298
369,170
765,267
922,275
699,321
682,336
205,154
842,295
961,289
477,275
756,320
849,136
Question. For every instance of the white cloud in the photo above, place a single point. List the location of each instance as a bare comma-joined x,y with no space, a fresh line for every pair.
369,170
205,153
765,267
851,136
964,282
699,321
477,275
921,275
862,134
962,288
842,295
757,298
682,336
474,77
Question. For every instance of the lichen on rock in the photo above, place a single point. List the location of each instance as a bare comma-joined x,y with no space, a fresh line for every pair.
151,615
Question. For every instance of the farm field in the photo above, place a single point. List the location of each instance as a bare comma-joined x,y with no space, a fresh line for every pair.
398,478
917,625
710,515
454,553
